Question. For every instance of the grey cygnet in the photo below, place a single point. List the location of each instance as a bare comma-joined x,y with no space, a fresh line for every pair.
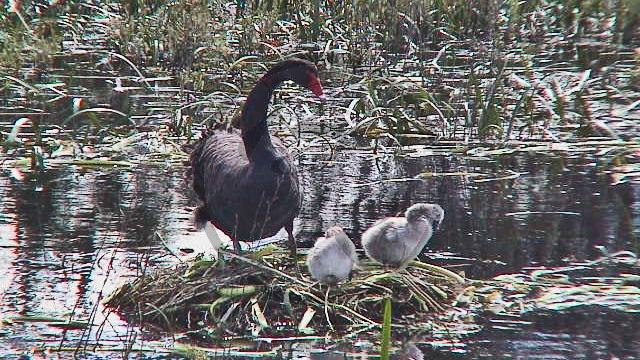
397,240
332,257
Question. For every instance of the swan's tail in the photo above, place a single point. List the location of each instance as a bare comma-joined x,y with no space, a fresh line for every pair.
195,175
200,217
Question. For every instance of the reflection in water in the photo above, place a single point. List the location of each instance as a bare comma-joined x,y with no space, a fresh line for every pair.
556,211
409,351
590,334
70,236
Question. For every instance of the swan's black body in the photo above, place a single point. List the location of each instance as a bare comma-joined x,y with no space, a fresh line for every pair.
245,179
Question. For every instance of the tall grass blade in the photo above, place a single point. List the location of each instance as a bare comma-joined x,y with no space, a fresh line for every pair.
386,330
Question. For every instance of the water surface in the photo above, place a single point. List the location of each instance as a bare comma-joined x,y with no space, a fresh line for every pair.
71,235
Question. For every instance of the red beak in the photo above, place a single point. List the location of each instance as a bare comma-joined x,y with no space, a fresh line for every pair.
316,87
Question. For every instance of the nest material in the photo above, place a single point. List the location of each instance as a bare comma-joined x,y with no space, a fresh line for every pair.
264,293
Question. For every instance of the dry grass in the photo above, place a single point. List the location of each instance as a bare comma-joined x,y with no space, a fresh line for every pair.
263,293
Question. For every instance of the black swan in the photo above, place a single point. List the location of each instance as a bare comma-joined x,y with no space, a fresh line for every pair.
245,180
332,257
397,240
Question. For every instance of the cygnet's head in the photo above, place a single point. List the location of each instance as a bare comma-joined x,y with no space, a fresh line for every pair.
340,236
433,213
342,239
334,231
409,352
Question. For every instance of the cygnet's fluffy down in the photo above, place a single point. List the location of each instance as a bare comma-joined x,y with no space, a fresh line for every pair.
332,257
397,240
409,352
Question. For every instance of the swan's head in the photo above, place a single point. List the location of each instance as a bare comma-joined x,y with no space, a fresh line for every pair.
433,213
302,72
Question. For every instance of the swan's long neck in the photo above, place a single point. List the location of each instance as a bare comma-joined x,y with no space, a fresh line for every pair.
253,120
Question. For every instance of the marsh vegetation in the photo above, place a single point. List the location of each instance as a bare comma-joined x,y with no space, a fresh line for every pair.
519,117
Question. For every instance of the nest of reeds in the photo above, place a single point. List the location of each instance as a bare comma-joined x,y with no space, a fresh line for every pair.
264,293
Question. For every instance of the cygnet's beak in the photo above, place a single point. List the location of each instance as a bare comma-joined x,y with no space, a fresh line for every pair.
434,225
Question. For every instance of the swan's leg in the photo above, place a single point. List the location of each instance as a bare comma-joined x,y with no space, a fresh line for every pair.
236,245
234,238
293,248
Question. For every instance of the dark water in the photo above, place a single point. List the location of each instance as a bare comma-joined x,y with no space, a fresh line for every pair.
69,236
573,207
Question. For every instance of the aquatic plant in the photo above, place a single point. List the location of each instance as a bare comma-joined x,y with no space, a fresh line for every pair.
435,68
386,330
